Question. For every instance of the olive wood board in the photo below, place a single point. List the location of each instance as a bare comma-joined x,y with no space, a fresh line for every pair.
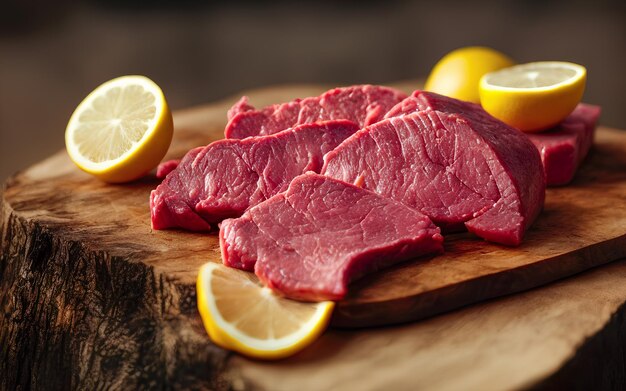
583,225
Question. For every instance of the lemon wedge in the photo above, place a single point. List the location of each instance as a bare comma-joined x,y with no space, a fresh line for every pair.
121,130
240,314
457,73
534,96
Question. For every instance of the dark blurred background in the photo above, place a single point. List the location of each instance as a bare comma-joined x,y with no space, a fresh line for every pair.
53,53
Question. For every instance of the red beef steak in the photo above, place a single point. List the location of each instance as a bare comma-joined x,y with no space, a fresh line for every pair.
166,167
309,242
226,177
563,148
450,160
363,104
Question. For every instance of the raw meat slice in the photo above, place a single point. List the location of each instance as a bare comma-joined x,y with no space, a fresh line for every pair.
226,177
424,100
453,162
309,242
363,104
166,167
563,148
241,106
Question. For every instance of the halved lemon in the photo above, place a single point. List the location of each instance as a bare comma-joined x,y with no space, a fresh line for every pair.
457,73
534,96
121,130
240,314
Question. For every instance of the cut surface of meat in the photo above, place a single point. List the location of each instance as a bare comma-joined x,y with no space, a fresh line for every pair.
450,160
563,148
226,177
309,242
363,104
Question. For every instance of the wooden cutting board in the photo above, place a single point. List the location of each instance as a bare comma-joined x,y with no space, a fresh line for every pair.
90,296
583,225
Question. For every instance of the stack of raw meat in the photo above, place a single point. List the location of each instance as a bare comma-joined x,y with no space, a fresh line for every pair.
314,193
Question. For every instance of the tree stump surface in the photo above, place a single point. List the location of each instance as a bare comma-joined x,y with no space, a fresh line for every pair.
92,298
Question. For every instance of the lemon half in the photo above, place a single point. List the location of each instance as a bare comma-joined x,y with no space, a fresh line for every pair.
240,314
121,130
534,96
457,74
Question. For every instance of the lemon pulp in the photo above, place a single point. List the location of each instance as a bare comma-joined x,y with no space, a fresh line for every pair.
241,315
121,130
534,96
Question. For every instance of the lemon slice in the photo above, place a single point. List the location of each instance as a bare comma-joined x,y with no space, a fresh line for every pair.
457,73
240,314
121,130
534,96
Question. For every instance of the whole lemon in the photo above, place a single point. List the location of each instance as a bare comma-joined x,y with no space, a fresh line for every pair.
458,73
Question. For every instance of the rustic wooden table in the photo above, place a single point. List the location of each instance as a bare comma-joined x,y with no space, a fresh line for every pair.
91,299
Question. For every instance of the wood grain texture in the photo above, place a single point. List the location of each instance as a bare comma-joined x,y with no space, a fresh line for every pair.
91,297
570,335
